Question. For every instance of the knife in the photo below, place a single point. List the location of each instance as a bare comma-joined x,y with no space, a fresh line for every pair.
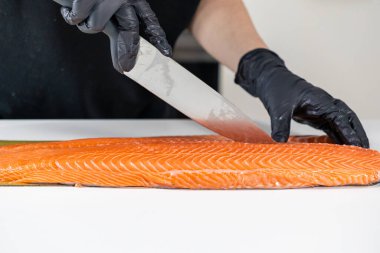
178,87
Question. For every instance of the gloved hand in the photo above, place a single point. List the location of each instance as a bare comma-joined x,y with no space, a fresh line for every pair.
91,16
286,96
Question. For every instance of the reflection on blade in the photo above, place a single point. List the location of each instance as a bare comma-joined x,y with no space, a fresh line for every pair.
178,87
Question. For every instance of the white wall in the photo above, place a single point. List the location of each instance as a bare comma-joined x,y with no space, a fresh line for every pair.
335,44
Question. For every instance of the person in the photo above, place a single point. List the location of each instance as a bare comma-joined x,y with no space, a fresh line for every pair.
50,71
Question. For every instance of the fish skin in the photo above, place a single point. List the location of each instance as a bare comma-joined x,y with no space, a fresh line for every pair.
191,162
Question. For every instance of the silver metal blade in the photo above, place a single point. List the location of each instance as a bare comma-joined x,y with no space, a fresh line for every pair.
178,87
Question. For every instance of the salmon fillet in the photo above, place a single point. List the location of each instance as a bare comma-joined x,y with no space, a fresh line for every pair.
193,162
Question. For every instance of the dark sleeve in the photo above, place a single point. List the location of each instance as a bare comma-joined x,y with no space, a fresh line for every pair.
51,70
174,15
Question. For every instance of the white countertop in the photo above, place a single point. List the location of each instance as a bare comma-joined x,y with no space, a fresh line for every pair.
67,219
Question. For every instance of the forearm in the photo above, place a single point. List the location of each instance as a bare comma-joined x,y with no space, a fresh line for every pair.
225,30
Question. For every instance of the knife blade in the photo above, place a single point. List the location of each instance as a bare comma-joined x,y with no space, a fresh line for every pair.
181,89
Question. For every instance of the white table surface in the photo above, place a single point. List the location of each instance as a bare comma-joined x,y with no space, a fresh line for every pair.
67,219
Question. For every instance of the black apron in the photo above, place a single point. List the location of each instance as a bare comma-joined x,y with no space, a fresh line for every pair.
49,69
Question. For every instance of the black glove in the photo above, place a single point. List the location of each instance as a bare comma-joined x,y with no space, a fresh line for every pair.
91,16
286,96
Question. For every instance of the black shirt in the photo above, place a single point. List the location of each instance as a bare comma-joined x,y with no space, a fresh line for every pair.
49,69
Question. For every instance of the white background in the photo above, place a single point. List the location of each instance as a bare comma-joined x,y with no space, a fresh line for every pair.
335,44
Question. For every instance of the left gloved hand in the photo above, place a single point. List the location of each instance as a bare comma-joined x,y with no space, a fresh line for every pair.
91,16
286,96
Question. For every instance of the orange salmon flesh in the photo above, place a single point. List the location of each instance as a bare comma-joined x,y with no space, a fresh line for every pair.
191,162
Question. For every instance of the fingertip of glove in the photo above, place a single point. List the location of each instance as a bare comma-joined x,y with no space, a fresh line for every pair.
365,142
65,12
280,137
163,46
126,64
167,51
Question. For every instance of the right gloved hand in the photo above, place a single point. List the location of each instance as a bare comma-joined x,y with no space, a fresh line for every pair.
287,96
91,16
